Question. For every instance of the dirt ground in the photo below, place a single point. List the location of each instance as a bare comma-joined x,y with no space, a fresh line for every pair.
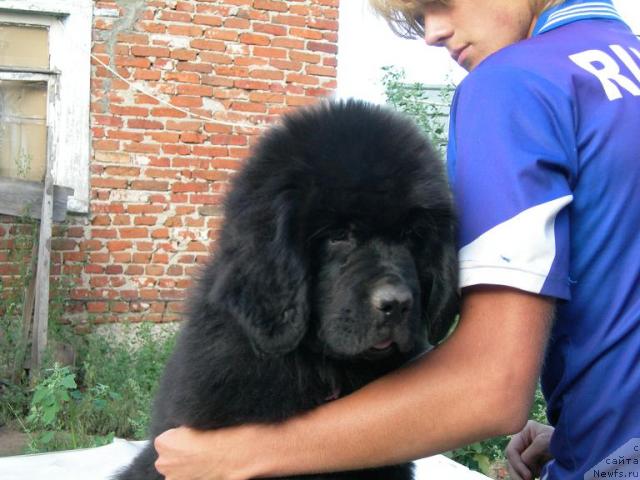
12,442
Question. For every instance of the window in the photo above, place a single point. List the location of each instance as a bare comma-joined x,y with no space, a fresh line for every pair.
44,92
23,101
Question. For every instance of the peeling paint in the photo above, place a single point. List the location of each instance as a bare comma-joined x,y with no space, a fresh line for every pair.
132,10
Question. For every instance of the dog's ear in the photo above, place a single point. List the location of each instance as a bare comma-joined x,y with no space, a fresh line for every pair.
437,264
444,302
261,269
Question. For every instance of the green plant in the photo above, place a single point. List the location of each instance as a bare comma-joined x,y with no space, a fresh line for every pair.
109,395
130,365
12,293
23,164
49,403
57,418
428,106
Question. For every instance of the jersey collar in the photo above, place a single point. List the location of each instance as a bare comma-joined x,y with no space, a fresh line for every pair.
572,10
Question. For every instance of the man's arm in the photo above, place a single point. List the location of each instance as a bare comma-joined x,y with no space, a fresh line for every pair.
477,384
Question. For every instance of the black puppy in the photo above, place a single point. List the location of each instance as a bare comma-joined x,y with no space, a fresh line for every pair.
335,263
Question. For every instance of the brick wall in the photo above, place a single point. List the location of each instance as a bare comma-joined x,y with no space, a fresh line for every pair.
159,173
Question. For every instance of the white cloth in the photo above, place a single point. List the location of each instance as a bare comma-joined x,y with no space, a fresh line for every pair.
102,462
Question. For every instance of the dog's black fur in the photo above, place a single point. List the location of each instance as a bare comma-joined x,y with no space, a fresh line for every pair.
335,263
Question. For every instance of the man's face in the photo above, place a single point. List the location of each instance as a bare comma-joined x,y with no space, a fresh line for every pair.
471,30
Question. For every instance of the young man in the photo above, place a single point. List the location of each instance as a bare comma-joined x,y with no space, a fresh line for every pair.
544,160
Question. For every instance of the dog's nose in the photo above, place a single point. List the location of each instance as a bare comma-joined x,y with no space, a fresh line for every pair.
394,301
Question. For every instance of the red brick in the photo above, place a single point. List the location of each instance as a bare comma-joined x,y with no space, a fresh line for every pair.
305,33
121,220
122,171
141,148
251,85
253,39
119,307
144,124
170,16
146,220
97,307
190,187
145,74
321,71
235,22
207,20
149,185
129,111
113,269
184,126
160,233
270,52
167,112
269,29
140,51
184,54
108,183
165,137
118,245
210,151
206,199
134,270
303,79
125,135
135,232
194,67
267,74
214,45
323,47
228,139
200,90
274,5
109,145
186,101
304,57
294,20
248,107
126,61
184,77
155,270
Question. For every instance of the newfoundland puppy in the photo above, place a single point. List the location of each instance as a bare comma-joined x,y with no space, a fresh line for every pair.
335,265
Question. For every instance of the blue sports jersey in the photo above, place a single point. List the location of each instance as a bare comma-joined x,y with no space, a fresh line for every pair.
544,162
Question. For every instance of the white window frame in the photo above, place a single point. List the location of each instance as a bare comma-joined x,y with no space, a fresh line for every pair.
69,23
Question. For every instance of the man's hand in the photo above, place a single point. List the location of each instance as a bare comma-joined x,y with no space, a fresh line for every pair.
528,451
187,454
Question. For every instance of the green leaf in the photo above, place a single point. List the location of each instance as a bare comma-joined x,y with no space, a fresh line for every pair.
483,463
49,415
47,437
69,381
40,394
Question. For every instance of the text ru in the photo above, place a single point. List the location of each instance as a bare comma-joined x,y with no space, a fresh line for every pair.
606,67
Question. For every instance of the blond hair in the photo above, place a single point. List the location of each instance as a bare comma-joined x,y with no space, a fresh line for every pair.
406,17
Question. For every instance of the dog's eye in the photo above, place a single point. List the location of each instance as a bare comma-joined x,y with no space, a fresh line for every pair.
339,236
414,232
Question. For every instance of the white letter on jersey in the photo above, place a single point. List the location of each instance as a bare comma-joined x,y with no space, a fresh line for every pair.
627,59
608,73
